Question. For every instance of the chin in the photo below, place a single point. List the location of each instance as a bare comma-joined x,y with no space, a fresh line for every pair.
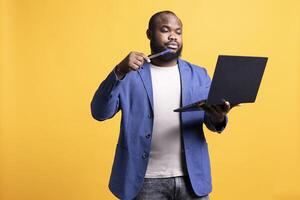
171,56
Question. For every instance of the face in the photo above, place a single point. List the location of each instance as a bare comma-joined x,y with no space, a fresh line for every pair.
166,34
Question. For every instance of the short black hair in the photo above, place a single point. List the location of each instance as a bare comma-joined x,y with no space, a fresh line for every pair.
152,21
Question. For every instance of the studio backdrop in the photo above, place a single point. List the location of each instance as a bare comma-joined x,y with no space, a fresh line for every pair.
55,53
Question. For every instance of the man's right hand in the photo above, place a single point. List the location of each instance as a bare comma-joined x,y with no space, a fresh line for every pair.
133,61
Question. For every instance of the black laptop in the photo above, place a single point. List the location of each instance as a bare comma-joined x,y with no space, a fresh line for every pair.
236,79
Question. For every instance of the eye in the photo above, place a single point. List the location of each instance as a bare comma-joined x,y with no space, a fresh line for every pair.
178,32
164,29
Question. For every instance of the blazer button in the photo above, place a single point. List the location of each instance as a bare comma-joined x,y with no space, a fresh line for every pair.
145,155
148,136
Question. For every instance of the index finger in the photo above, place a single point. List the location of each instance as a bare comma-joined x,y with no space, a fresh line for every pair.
145,57
209,109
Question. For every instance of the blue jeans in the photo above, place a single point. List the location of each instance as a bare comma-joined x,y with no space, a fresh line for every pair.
174,188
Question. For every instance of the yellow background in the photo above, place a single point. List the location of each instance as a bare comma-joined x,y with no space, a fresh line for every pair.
55,53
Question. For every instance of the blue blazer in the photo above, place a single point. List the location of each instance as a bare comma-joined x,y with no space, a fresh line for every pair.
133,96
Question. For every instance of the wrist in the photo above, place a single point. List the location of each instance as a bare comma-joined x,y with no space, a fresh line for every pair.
119,71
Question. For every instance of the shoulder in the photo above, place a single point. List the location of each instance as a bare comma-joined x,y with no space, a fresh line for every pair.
186,65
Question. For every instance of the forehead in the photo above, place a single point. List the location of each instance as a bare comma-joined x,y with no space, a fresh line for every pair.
168,20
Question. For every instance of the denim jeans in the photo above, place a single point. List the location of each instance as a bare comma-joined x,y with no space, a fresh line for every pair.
174,188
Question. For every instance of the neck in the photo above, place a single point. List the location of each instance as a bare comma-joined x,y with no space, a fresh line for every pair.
161,63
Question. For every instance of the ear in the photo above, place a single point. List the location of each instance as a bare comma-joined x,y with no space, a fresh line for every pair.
149,34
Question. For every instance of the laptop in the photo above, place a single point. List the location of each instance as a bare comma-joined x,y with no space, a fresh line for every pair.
236,79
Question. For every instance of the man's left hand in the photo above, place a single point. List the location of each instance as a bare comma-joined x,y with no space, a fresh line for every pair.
217,113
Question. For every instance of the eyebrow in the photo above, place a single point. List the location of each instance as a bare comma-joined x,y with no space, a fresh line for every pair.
162,26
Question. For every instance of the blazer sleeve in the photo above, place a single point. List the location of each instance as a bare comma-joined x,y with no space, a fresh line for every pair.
105,103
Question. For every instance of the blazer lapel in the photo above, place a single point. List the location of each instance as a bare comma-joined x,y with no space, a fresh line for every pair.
185,79
145,75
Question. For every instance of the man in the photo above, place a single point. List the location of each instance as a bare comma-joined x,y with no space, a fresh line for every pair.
160,154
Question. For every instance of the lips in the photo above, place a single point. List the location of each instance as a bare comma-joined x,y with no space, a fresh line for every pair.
172,45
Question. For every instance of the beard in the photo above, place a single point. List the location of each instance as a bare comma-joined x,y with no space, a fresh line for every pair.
155,48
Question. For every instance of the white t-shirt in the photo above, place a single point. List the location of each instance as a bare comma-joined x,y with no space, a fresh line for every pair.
165,158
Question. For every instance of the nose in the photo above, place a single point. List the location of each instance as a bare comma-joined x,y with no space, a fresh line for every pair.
172,36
